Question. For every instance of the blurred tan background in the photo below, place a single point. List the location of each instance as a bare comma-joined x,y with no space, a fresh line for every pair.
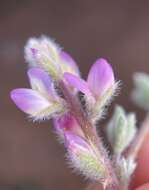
30,157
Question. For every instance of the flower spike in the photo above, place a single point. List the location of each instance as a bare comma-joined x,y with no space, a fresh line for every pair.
55,85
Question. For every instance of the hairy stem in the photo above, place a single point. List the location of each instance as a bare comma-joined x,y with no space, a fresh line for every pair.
111,183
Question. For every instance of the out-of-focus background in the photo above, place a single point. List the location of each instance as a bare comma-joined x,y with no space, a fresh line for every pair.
30,157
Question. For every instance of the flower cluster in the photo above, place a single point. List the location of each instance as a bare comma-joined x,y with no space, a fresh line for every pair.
55,85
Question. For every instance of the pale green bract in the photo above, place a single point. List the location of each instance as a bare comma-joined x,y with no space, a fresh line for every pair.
140,94
121,129
125,168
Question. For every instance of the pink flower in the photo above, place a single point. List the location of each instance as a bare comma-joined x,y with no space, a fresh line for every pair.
43,52
41,101
99,80
65,123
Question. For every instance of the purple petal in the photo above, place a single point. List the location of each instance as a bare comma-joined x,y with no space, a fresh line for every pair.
74,142
39,80
100,77
34,51
77,83
29,101
67,123
68,61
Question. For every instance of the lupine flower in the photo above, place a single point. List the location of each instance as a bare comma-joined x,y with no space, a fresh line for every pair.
84,157
41,101
46,54
99,80
99,87
65,123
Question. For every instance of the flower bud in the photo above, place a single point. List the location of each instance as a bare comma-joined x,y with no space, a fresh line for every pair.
83,157
121,130
45,53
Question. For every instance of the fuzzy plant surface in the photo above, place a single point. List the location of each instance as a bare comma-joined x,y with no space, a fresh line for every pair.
56,85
